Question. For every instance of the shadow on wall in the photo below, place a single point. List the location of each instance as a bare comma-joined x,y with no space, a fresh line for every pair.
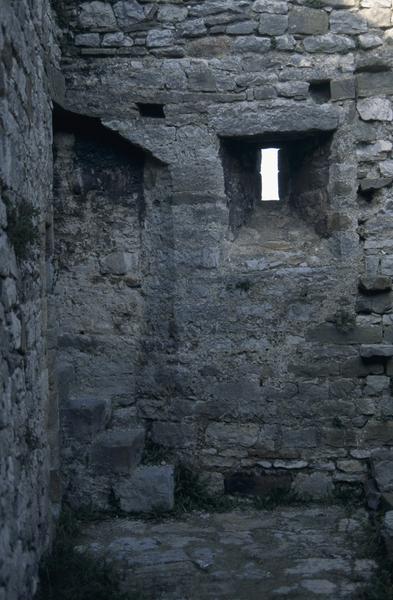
112,295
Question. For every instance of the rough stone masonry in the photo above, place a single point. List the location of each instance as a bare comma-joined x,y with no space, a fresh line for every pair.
251,340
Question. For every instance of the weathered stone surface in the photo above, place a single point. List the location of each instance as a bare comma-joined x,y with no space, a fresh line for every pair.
342,89
370,185
273,24
308,20
375,109
117,451
382,469
97,16
371,84
85,417
148,488
376,351
346,21
375,284
297,552
128,12
314,486
231,122
329,43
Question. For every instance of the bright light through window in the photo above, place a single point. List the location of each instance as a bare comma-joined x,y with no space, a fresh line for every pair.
269,174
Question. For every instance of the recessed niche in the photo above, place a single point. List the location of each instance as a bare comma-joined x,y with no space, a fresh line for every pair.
153,111
294,171
320,91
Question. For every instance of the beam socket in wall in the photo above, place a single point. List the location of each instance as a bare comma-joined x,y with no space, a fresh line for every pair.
153,111
320,91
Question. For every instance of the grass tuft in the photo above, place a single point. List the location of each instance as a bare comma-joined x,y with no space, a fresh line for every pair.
66,574
22,230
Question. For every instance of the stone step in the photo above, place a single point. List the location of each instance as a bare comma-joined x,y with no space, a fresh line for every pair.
149,488
83,417
117,451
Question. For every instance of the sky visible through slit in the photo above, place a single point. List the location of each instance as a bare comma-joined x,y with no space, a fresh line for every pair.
269,174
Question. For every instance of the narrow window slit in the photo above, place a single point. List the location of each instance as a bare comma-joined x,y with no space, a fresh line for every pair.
269,174
154,111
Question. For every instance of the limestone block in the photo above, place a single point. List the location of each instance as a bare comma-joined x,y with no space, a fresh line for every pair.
128,12
375,284
118,263
84,417
118,451
314,486
252,43
158,38
117,40
376,384
367,41
278,7
273,24
382,469
351,466
285,42
97,16
372,84
376,351
172,14
299,438
249,120
377,16
242,28
342,89
91,40
379,303
346,21
329,43
293,89
375,109
193,28
386,168
374,151
308,20
148,488
370,185
232,434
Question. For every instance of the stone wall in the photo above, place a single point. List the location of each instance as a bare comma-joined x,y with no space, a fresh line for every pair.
267,356
27,82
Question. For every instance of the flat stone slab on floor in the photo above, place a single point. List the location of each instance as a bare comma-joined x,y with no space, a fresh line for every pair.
292,553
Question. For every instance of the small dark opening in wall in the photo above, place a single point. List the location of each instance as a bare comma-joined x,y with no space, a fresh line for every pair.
320,91
154,111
